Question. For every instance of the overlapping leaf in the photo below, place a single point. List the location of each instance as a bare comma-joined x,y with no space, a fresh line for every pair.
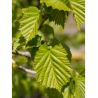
80,87
66,93
35,42
33,52
53,93
29,22
57,42
56,4
18,43
76,6
58,17
48,31
52,66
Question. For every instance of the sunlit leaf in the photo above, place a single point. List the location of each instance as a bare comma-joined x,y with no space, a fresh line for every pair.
29,22
52,66
56,4
80,87
56,42
76,6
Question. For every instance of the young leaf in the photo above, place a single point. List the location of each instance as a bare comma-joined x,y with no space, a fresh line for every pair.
66,92
48,31
58,17
18,43
47,9
33,52
80,87
56,42
56,4
29,22
35,42
52,66
76,6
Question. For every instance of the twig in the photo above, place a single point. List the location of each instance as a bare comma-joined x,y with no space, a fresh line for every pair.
40,26
26,54
28,71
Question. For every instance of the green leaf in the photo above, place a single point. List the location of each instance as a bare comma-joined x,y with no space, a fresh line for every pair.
48,31
35,42
68,51
29,22
18,43
47,9
53,93
81,71
33,52
56,4
80,87
56,41
58,17
52,66
66,92
76,6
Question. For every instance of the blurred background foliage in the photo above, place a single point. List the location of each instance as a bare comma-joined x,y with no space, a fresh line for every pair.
23,85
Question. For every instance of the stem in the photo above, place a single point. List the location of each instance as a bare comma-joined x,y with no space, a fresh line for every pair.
28,71
26,54
42,23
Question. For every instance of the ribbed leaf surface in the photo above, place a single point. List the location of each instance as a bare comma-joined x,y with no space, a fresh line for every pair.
57,42
29,22
59,17
80,87
52,66
76,6
56,4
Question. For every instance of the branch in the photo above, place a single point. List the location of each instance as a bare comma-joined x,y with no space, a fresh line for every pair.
26,54
42,22
28,71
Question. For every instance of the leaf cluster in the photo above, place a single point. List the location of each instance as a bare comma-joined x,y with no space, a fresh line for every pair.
51,57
